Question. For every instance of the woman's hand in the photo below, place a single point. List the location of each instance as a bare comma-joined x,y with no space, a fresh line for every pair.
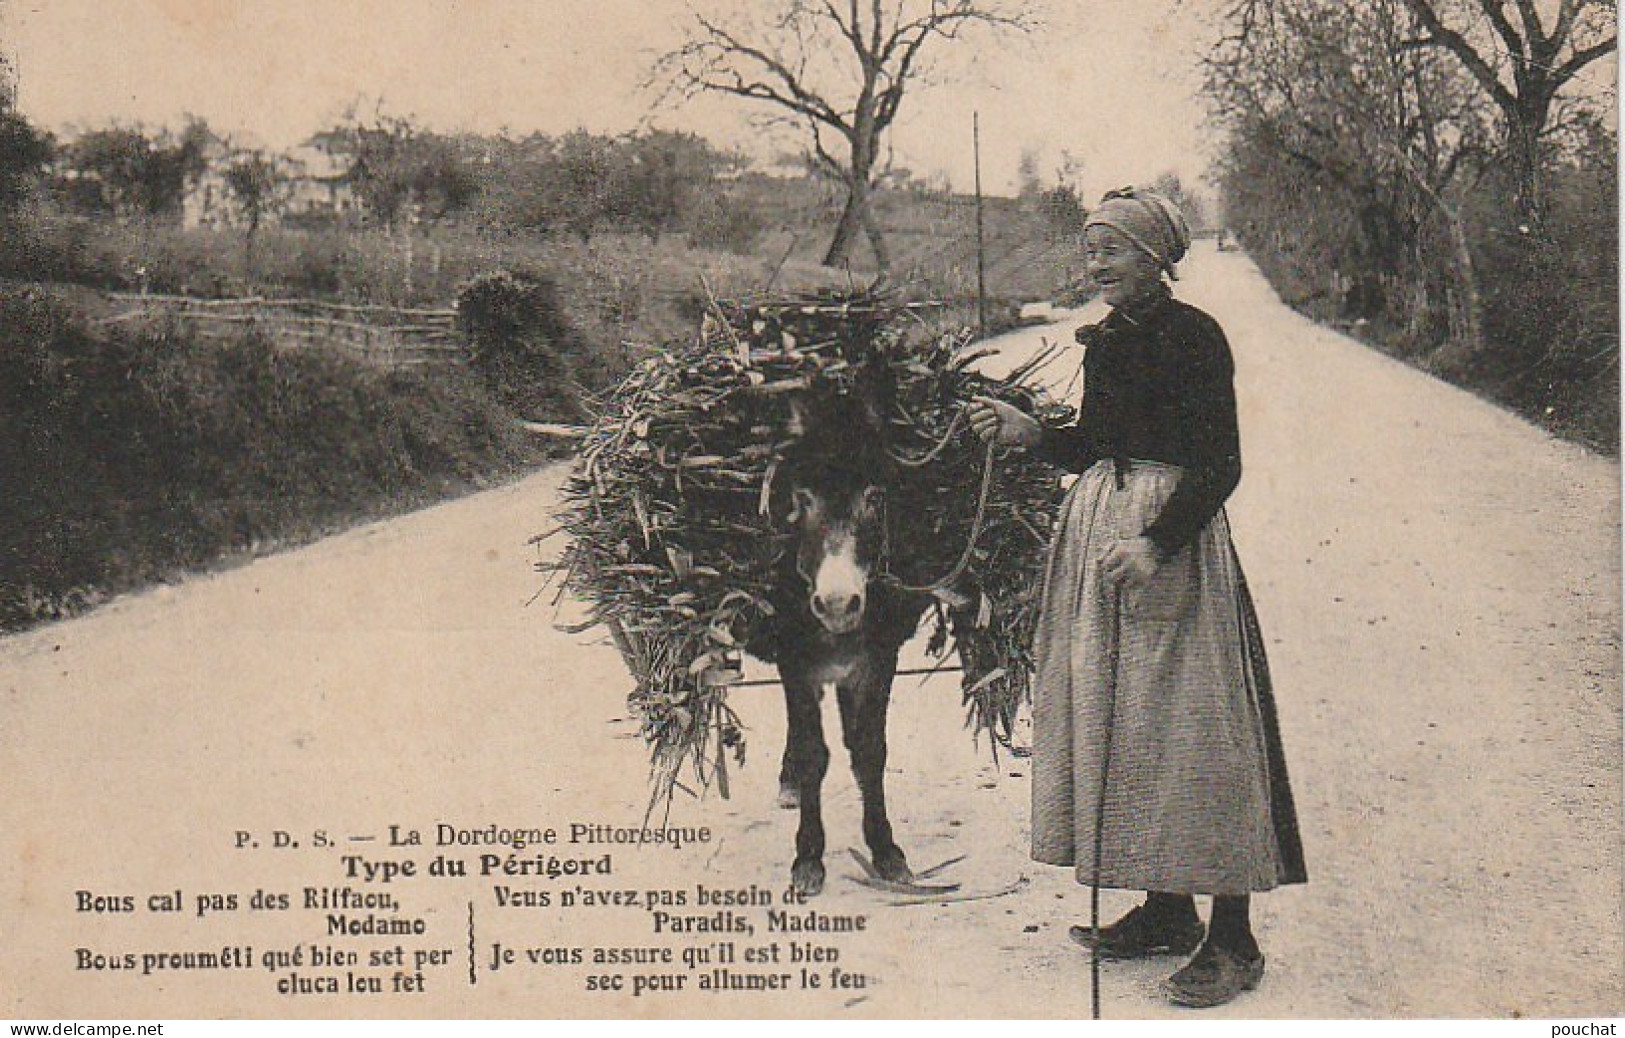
1131,561
998,422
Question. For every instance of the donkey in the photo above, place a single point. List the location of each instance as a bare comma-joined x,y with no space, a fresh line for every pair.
836,622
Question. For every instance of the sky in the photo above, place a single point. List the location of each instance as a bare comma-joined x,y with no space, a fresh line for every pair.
1112,83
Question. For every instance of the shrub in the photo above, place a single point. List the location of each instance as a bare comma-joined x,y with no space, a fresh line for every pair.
1550,307
714,222
520,343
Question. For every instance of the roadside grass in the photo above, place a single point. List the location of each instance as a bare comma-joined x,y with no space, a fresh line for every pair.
1548,355
133,458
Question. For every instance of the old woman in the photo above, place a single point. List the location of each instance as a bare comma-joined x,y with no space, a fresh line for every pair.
1157,760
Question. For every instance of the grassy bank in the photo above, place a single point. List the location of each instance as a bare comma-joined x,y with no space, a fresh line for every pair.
131,458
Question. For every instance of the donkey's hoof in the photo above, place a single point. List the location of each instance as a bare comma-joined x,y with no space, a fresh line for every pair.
891,865
807,877
789,795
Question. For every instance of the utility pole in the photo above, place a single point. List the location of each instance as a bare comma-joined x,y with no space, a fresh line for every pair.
11,81
981,250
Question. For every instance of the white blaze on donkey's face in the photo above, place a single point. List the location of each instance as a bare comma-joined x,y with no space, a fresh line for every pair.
837,557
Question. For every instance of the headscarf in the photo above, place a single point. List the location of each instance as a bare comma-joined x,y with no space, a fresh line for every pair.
1151,221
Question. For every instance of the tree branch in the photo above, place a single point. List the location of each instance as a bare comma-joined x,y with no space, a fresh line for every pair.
1441,35
832,166
1522,47
714,73
775,63
1566,10
845,28
1581,58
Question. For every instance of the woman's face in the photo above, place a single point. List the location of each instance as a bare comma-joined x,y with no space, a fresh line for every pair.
1122,271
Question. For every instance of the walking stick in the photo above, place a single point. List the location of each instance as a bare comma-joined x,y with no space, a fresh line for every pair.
1100,808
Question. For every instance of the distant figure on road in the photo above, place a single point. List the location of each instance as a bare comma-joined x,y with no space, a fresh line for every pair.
1157,759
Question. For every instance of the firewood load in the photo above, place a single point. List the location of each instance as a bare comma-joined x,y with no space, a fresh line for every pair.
674,546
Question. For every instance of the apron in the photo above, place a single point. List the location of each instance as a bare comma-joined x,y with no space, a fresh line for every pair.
1163,692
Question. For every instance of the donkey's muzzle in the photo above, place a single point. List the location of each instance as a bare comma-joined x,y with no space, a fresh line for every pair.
840,613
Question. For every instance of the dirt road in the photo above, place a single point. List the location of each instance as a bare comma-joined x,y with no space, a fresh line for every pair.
1438,582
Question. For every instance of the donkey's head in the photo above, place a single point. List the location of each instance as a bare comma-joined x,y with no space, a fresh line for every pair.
837,472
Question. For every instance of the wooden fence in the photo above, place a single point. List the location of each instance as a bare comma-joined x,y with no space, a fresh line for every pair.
392,336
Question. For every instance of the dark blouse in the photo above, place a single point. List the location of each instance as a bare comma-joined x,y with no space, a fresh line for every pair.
1158,387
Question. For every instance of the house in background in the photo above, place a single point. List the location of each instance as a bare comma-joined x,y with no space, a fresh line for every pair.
319,189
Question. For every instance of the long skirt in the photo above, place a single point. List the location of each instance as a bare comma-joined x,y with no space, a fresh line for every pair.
1153,715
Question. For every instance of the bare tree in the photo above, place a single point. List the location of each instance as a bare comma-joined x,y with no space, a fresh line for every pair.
1523,60
839,69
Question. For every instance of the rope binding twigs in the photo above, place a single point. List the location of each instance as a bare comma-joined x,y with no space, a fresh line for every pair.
948,579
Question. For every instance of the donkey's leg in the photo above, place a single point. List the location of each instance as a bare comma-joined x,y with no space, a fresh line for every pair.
789,784
806,760
864,698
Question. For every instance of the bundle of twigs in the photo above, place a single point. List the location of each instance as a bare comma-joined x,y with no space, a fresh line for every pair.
673,545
